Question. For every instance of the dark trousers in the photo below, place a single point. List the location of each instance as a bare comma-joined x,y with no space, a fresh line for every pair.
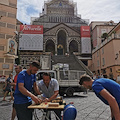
113,118
23,113
57,112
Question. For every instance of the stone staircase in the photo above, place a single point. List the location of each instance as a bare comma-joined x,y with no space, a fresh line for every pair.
72,60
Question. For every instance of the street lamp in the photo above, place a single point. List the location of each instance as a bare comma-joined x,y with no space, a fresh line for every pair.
17,36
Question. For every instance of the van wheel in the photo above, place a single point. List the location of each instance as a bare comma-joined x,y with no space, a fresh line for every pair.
62,93
70,92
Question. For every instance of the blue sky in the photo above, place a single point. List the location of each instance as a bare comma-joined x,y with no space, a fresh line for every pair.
30,10
94,10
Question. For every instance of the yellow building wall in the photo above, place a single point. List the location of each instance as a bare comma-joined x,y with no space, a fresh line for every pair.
111,54
8,10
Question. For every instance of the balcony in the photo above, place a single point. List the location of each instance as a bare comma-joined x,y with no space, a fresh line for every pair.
116,36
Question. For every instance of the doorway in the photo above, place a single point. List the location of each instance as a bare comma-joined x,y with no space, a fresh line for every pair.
61,40
60,50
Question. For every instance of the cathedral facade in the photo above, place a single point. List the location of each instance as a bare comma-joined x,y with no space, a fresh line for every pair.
61,27
61,30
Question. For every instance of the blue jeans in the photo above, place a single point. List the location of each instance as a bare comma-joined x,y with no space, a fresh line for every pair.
23,113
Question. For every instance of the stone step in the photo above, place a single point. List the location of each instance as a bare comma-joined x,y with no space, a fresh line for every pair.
73,64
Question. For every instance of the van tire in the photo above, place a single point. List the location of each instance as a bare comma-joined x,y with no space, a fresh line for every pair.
70,92
62,93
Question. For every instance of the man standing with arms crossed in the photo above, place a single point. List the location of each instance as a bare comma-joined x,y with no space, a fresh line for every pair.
18,69
105,89
23,97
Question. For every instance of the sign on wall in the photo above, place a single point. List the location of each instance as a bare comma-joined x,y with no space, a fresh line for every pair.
85,31
45,62
85,46
12,47
5,66
31,37
85,40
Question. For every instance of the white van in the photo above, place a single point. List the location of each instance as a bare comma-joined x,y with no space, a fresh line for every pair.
68,80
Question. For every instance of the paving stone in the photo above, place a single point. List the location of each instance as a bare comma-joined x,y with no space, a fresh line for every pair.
88,106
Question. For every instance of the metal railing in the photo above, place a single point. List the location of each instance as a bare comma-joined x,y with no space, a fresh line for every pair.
70,74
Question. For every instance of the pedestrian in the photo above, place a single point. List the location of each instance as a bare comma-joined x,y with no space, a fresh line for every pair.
94,76
8,87
23,97
101,75
18,69
105,89
50,90
118,78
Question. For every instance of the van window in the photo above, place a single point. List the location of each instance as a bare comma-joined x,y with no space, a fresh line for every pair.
39,76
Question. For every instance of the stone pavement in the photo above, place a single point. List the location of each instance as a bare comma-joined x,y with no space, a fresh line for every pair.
88,106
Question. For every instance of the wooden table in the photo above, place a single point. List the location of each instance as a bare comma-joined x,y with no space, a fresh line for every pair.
44,106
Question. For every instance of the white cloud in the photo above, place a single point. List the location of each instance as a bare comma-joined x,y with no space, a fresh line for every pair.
94,10
103,10
23,15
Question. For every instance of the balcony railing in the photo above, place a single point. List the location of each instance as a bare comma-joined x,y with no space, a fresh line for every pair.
105,42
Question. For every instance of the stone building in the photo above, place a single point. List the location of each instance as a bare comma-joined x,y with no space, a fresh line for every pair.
8,10
61,31
106,52
98,31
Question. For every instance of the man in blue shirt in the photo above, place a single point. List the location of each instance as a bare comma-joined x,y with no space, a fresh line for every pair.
105,89
50,90
23,97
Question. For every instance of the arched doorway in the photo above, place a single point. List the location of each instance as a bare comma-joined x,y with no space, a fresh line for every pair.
73,47
60,49
61,40
50,46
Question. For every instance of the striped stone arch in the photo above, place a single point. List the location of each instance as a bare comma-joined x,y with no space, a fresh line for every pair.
49,45
74,46
63,30
49,38
75,39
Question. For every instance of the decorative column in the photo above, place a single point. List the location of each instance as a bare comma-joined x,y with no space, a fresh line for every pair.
67,42
55,48
43,47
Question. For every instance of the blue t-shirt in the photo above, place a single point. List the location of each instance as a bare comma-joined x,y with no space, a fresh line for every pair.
111,86
28,81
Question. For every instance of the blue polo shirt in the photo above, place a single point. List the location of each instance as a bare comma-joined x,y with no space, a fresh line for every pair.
111,86
48,92
28,81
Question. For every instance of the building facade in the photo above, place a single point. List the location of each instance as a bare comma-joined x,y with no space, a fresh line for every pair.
8,10
98,29
61,31
106,56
